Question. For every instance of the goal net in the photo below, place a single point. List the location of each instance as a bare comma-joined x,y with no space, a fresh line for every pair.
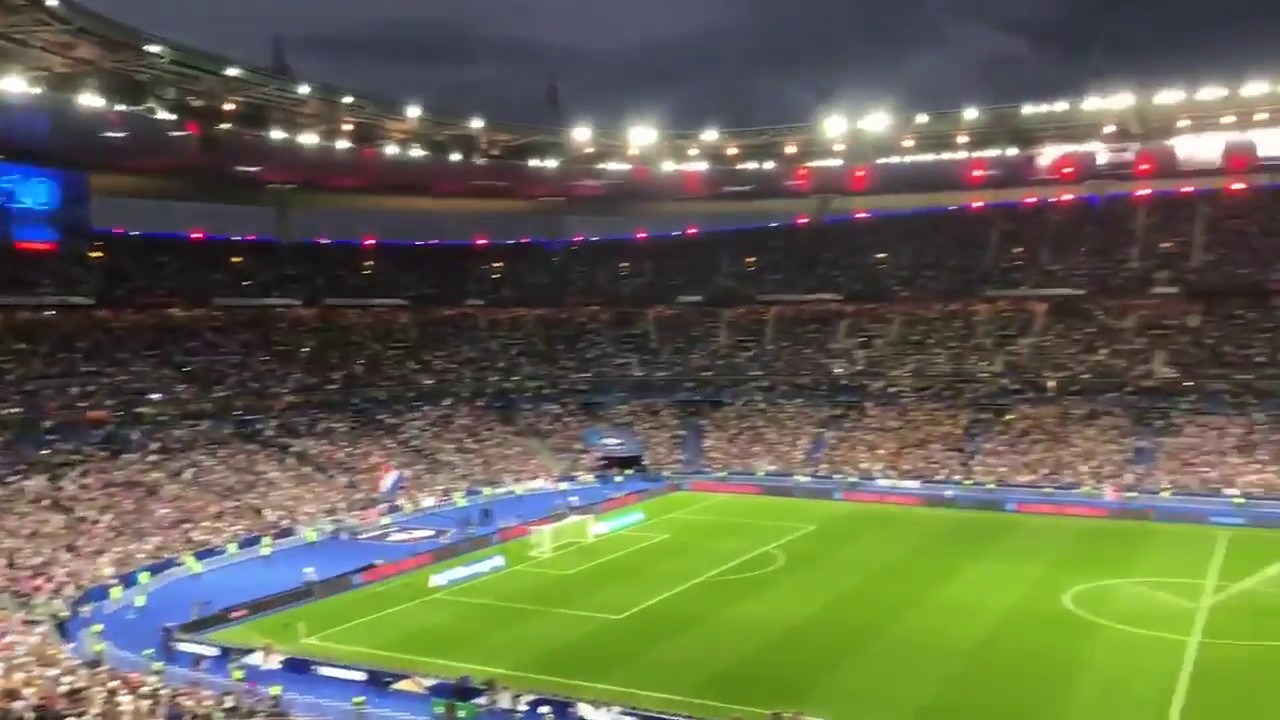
552,536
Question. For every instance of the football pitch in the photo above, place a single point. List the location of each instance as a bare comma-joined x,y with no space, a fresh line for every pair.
732,605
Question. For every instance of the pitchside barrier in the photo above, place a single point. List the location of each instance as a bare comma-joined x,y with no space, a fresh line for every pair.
1166,506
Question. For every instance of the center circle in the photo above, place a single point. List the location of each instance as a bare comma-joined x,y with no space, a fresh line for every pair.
1070,600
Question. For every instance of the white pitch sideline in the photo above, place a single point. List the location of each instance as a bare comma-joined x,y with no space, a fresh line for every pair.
540,677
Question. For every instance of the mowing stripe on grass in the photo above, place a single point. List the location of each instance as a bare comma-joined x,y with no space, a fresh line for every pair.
717,571
1196,636
537,676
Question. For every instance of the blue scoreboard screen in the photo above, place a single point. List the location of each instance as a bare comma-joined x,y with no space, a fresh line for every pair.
40,206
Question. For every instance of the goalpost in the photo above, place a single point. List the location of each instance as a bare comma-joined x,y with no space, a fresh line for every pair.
548,538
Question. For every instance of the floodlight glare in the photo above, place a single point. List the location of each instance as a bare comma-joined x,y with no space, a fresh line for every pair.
875,122
413,111
342,144
304,89
709,135
580,134
1209,93
308,138
1255,88
154,48
922,118
641,136
1169,96
835,125
233,71
970,113
476,123
348,99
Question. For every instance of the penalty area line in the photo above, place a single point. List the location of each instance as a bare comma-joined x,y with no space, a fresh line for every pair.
708,575
535,676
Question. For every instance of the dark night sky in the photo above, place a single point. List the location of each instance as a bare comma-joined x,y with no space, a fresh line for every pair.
731,63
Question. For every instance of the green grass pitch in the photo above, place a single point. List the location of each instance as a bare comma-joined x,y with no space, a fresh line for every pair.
731,605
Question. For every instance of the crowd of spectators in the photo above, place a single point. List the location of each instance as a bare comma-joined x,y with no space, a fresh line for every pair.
1117,343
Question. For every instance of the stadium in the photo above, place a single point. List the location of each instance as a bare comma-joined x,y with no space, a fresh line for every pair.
318,405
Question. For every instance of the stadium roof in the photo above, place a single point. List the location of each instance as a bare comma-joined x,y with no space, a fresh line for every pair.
61,46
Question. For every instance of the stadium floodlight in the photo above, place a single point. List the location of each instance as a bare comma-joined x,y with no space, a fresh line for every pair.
91,99
581,134
640,136
304,89
970,113
709,135
573,530
1169,96
835,125
922,118
1115,101
1254,88
308,138
342,144
476,123
875,122
1041,108
347,99
1209,93
154,48
277,134
15,84
233,71
413,111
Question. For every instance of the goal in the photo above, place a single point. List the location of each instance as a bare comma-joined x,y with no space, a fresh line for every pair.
548,538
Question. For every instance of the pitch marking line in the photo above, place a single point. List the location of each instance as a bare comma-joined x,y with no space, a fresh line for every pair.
717,571
522,606
536,676
1196,636
652,539
1250,582
779,559
1167,597
748,521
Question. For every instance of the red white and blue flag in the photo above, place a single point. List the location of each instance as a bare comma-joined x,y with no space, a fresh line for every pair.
389,482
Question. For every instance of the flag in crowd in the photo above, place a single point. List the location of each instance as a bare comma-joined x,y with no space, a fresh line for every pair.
389,481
